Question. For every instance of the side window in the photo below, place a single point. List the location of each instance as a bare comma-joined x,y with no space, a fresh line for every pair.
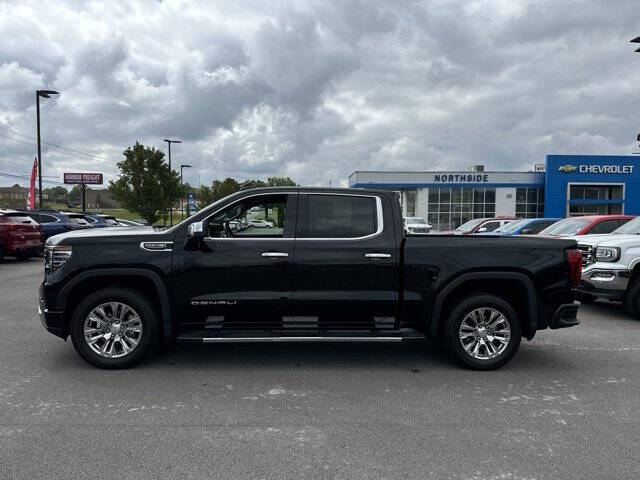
340,216
262,216
537,227
490,226
606,226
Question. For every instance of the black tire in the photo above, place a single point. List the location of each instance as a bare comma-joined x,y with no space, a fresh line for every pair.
453,342
23,256
631,300
1,252
141,305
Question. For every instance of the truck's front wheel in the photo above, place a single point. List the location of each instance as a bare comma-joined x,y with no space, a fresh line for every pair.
483,332
114,327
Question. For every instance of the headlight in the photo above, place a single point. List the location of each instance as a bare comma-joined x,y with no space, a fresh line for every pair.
55,256
607,254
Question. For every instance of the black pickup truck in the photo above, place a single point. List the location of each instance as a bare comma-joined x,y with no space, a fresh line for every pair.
303,265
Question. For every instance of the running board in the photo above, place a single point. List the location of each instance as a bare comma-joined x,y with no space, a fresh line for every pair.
365,337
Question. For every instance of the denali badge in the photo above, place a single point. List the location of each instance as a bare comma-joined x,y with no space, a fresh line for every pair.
156,246
213,302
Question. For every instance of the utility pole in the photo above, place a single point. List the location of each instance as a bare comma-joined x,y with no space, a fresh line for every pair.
182,167
169,142
44,94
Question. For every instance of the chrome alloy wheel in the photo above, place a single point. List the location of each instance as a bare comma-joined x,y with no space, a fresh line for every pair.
112,330
484,333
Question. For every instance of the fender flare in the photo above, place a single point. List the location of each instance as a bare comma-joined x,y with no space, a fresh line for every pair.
532,302
161,290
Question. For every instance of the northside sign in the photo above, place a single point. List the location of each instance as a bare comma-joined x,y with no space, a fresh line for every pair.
83,178
461,177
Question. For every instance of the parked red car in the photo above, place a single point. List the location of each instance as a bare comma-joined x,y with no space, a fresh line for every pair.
479,225
586,225
20,235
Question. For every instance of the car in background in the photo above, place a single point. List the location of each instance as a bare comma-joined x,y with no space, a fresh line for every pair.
416,226
586,225
99,220
54,222
20,235
525,226
480,225
129,223
261,224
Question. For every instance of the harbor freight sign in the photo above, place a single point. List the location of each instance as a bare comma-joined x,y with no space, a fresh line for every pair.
83,178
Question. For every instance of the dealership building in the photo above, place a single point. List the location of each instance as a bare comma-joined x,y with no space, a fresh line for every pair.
566,185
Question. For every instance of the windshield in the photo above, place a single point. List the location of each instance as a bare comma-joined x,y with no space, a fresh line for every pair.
568,226
512,226
629,228
415,220
80,220
470,225
18,218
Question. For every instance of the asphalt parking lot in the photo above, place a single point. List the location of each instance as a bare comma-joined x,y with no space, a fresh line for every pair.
566,407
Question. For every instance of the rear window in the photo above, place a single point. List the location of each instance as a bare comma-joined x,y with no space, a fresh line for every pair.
80,220
341,216
19,218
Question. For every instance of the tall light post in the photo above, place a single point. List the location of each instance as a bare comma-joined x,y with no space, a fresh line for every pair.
181,205
169,142
44,94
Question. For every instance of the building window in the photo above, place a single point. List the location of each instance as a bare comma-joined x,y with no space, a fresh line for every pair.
448,208
529,202
583,200
410,195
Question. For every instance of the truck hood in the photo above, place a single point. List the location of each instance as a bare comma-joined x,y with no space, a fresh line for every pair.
100,235
609,240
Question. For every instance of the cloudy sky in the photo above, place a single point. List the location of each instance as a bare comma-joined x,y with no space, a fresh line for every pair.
317,89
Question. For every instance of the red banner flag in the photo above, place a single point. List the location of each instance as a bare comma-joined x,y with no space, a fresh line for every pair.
31,201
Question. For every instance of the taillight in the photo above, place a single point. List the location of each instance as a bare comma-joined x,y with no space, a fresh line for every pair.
574,261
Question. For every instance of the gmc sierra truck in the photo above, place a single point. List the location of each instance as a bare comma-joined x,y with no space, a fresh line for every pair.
331,265
611,266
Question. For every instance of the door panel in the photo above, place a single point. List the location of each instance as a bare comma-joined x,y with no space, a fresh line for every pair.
239,277
343,283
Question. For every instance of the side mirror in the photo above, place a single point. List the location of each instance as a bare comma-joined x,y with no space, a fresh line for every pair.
195,231
481,230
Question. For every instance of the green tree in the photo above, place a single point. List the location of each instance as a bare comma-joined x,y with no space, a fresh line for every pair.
145,184
224,188
280,182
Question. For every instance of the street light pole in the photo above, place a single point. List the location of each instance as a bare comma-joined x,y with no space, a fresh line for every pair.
45,94
169,142
181,204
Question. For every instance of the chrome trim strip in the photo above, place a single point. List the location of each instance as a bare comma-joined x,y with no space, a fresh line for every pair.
379,218
295,339
275,254
377,255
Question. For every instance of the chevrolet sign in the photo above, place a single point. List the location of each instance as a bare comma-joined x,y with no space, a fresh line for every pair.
608,169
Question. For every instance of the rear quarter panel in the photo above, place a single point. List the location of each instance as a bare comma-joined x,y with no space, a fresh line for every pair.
433,262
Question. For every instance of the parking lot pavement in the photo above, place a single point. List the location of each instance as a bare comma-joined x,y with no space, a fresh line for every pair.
566,407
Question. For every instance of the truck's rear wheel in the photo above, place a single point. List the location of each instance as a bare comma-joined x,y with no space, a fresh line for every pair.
483,332
114,328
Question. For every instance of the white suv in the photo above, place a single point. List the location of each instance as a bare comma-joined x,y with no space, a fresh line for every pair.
611,266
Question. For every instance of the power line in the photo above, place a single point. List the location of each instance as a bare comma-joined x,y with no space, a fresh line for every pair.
53,145
27,177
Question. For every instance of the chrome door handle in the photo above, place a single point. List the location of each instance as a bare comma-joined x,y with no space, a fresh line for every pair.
377,255
275,254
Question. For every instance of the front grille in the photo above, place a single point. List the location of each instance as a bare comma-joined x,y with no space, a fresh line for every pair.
587,255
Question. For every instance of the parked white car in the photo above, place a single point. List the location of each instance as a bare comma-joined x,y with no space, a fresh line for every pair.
261,224
416,225
611,266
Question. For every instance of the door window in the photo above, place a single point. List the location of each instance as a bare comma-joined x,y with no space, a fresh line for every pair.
340,216
262,216
490,226
606,226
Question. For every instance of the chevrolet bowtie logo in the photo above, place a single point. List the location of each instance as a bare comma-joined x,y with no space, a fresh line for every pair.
567,168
